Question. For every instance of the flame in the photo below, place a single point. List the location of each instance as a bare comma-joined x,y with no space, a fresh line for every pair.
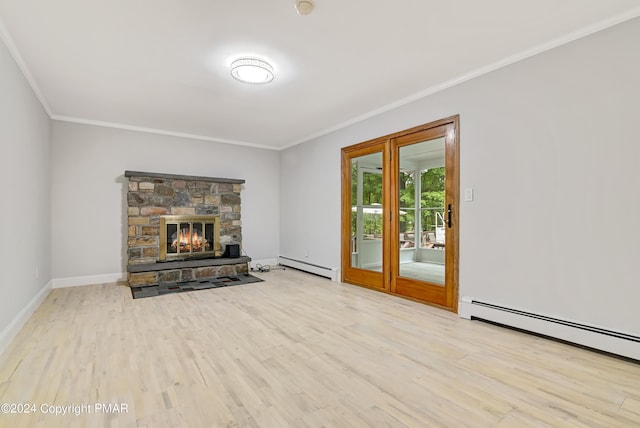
195,242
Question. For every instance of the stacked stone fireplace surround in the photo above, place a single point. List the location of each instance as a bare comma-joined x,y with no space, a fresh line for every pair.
151,195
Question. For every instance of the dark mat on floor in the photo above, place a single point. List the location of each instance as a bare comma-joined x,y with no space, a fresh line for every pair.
203,284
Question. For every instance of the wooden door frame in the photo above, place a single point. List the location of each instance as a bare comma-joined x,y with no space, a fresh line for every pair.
435,294
349,274
452,160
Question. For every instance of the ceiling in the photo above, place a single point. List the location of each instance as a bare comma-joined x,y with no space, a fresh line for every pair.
163,65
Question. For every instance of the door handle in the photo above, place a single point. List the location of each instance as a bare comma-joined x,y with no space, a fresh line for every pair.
449,216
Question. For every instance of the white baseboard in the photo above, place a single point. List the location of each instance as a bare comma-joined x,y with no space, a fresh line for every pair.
597,337
77,281
332,273
7,335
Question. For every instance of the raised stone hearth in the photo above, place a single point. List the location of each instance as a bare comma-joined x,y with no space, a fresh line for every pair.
151,196
187,270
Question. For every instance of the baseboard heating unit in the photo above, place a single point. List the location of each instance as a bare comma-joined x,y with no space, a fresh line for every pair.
615,342
327,272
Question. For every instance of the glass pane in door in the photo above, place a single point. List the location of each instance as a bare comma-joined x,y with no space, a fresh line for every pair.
366,212
421,216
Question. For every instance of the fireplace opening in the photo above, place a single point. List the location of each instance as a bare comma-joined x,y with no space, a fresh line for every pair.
190,238
183,237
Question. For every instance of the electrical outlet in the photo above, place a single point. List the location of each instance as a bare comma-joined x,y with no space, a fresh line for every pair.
37,273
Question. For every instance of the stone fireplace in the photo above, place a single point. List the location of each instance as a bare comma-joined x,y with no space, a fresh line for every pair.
178,227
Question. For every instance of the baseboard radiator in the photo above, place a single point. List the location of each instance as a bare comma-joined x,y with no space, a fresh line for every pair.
327,272
615,342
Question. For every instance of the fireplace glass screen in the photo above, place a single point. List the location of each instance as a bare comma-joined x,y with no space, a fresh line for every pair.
184,237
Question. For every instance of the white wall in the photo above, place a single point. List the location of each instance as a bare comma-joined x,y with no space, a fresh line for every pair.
309,219
25,208
550,145
89,192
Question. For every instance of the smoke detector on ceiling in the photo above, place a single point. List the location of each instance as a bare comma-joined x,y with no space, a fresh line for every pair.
304,7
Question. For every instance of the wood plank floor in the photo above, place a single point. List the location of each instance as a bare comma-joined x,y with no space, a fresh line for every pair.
298,351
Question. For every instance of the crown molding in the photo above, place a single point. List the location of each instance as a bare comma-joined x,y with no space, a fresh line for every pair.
575,35
538,49
159,131
13,50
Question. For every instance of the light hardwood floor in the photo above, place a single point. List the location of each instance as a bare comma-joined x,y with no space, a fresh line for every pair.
299,351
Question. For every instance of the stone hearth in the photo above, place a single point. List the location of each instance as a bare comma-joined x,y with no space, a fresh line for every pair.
152,195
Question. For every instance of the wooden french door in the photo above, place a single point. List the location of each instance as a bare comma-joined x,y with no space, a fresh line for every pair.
365,224
400,200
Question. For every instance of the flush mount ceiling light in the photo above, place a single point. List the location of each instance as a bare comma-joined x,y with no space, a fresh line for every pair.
304,7
252,70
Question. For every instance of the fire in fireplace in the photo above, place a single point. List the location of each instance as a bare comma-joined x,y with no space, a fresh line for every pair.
189,240
183,237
